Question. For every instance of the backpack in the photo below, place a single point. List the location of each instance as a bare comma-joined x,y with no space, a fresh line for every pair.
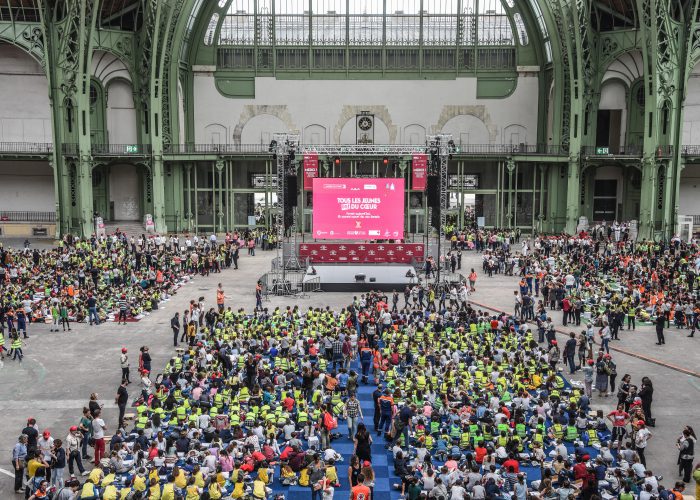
329,422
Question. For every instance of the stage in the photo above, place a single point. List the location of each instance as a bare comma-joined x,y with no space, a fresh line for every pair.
361,277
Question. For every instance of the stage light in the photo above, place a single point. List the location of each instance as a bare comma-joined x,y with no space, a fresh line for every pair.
336,160
385,161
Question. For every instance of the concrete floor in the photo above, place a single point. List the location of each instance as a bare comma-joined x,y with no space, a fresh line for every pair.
62,369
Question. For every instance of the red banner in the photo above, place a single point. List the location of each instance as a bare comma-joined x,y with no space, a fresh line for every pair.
310,170
400,253
420,172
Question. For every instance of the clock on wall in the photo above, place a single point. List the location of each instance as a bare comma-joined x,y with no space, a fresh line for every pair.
365,128
365,123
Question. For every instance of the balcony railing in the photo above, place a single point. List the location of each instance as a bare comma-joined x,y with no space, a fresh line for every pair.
216,148
690,150
43,148
475,149
46,217
121,149
629,150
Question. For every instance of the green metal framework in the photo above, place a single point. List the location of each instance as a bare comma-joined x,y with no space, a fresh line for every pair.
572,42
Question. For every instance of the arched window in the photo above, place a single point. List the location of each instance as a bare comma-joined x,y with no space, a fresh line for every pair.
367,23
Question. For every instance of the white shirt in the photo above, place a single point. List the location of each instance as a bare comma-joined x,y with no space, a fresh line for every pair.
45,445
98,431
643,435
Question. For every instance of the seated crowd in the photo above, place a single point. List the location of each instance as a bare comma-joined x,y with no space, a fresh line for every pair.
468,406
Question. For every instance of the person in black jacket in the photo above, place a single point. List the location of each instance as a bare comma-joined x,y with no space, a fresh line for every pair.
175,325
646,393
660,323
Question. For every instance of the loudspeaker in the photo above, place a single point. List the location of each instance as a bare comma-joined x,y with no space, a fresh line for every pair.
435,218
433,190
288,217
290,193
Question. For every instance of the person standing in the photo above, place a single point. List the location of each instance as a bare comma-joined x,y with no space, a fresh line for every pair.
234,256
58,463
686,454
258,295
73,441
122,310
660,323
353,413
605,337
16,345
19,460
646,393
175,326
570,352
55,317
122,398
472,280
641,439
619,419
124,363
63,312
588,378
98,434
220,298
92,309
145,360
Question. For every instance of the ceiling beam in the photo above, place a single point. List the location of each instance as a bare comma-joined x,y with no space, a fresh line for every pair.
613,12
125,10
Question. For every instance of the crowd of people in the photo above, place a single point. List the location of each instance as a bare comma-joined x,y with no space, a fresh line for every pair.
270,403
467,404
93,280
608,282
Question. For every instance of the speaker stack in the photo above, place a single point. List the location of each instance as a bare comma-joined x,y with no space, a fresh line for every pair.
433,191
291,196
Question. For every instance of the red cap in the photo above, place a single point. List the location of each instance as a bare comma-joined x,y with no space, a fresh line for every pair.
640,423
46,433
607,356
74,428
554,342
366,463
590,361
123,349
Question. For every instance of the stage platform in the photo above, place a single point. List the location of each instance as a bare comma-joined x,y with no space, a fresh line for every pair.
362,277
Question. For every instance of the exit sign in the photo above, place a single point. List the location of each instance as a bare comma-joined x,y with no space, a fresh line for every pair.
602,150
132,148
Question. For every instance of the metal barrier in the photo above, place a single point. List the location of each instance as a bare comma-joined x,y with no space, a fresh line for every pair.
287,283
27,216
312,285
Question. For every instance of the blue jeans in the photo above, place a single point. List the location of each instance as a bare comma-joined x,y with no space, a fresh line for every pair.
384,422
352,426
365,370
604,345
93,316
572,363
